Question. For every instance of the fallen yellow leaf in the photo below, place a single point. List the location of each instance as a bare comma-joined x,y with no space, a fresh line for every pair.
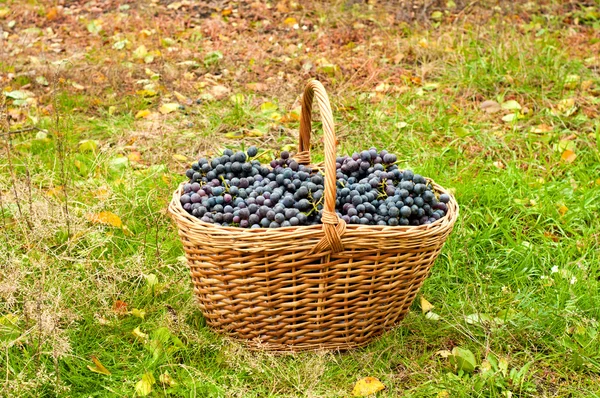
542,128
566,104
142,114
134,156
568,156
180,97
140,52
292,116
180,158
572,81
139,334
147,93
291,21
101,193
105,217
166,379
367,386
443,353
426,306
562,210
98,367
586,85
144,386
168,108
138,313
254,133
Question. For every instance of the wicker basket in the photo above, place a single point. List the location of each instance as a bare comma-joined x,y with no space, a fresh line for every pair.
329,286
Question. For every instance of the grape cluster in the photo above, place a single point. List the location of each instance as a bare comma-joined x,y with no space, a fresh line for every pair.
371,190
237,190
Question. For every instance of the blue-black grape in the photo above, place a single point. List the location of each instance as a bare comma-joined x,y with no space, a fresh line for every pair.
236,190
252,151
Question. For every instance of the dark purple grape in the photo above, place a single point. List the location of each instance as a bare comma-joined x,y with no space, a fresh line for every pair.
405,211
428,196
389,158
444,198
195,198
185,199
252,151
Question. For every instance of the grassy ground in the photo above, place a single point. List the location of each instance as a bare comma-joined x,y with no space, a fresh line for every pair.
517,283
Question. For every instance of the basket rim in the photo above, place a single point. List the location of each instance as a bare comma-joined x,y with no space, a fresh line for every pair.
181,215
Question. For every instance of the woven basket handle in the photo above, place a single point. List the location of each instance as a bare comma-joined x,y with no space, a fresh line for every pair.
333,226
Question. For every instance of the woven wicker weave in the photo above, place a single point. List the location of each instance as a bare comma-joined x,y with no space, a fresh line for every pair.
329,286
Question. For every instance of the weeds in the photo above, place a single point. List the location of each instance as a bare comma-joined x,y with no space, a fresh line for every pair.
516,284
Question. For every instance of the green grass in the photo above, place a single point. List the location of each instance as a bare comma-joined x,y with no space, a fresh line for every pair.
518,282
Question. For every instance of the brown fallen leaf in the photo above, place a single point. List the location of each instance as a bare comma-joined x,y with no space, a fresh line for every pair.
586,85
490,106
550,235
166,379
120,307
257,86
52,14
219,92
